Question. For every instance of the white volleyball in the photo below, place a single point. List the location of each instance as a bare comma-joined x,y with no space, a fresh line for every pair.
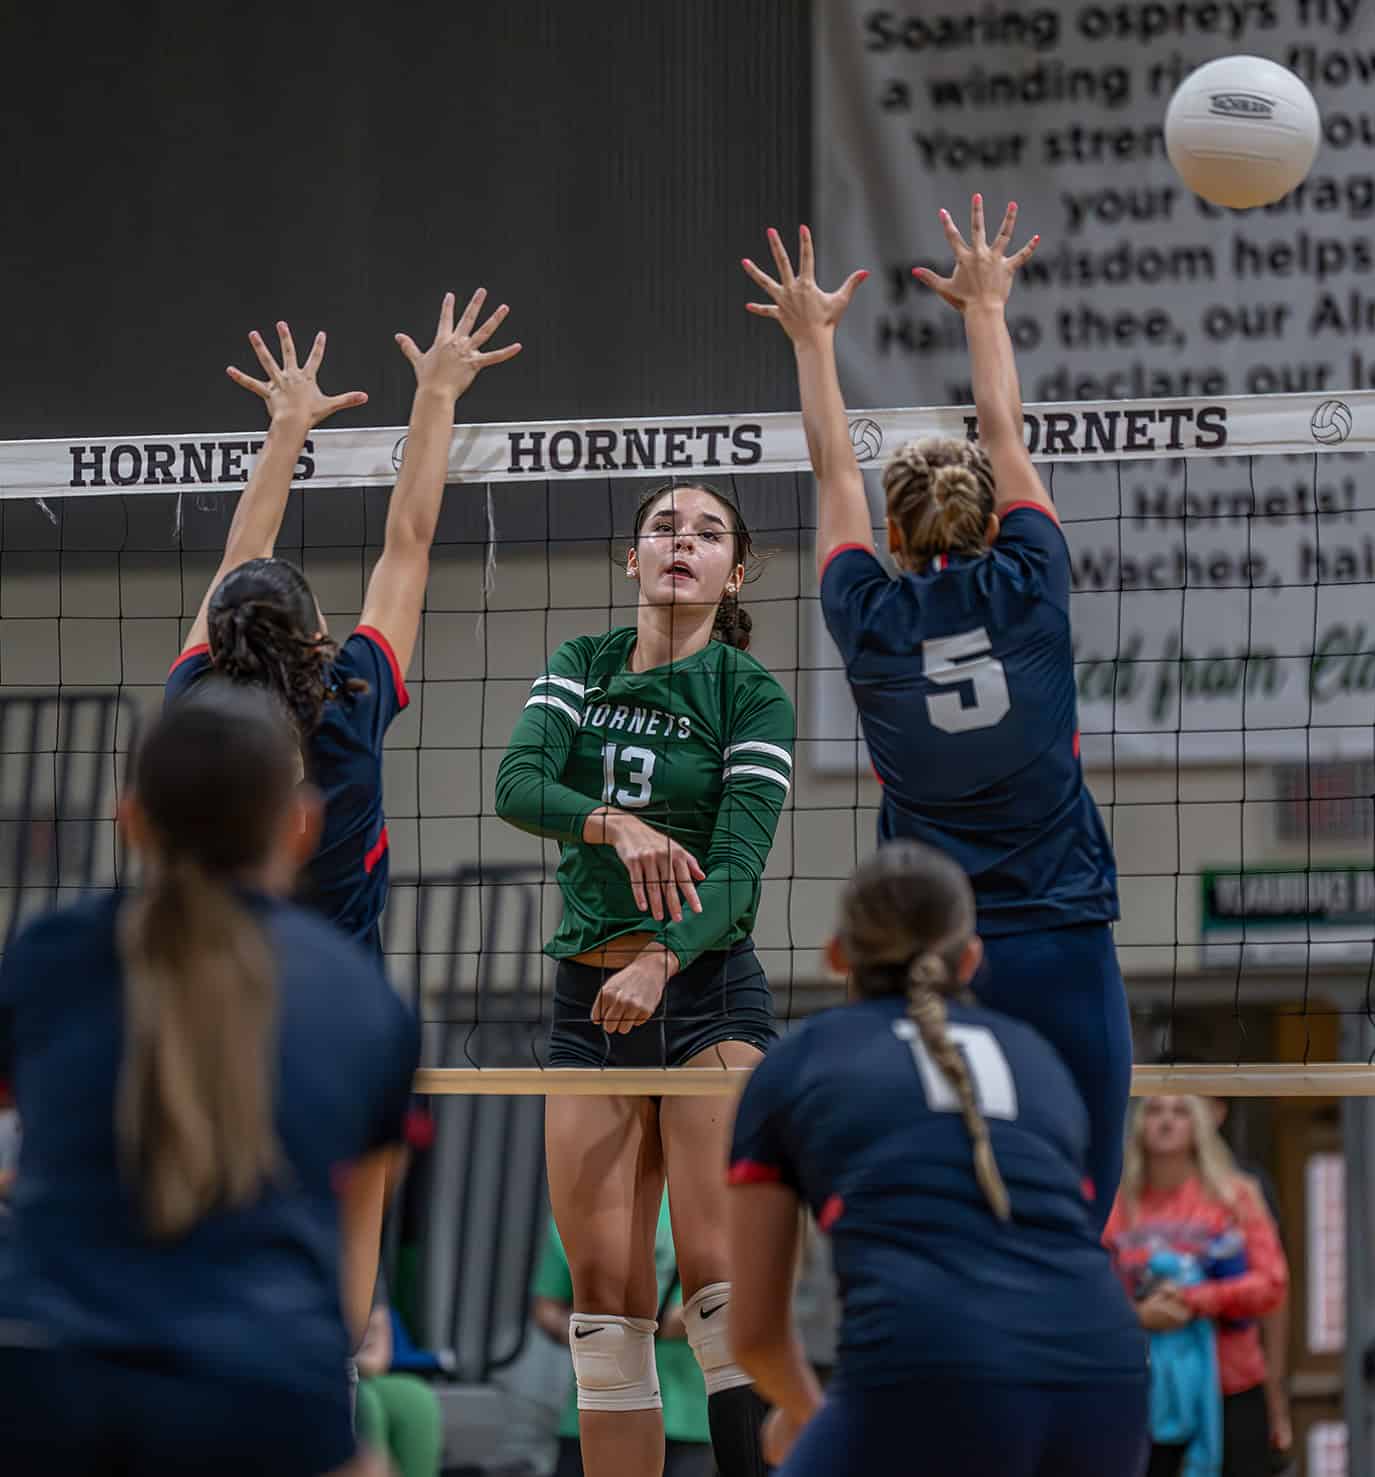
1242,131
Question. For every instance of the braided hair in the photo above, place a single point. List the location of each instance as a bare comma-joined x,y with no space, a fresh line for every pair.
940,495
732,624
265,632
907,916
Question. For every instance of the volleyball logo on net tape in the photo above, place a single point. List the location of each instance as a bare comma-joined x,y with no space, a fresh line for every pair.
1331,422
866,438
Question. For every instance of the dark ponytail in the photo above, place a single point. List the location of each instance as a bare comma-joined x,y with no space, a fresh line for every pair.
264,632
906,919
732,624
194,1112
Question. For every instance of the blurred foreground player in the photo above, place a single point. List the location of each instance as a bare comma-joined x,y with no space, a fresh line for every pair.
962,669
206,1074
983,1333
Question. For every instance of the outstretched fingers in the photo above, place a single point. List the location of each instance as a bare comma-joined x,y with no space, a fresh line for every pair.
409,348
269,364
952,233
347,401
761,279
445,326
288,346
1004,237
850,286
498,356
316,355
1024,254
482,334
465,323
246,382
806,255
780,258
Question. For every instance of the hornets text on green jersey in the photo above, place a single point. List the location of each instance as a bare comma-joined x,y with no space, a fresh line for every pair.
700,749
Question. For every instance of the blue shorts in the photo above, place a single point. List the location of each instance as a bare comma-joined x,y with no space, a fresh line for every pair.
945,1427
68,1411
1066,984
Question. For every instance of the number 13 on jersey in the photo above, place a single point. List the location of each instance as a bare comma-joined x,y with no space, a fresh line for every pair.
635,794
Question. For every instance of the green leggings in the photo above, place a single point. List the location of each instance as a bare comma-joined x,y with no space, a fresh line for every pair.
399,1414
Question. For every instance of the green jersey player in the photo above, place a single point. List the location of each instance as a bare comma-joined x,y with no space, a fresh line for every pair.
660,755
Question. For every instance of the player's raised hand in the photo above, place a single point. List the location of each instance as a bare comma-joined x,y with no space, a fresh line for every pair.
456,357
983,270
290,389
797,303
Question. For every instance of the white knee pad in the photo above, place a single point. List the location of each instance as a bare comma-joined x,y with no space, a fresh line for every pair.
707,1315
613,1362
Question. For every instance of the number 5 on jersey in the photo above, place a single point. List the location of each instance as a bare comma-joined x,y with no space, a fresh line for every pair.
640,763
954,661
993,1084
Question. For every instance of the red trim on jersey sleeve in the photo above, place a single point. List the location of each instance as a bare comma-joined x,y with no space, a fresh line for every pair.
371,633
844,549
750,1172
1027,503
202,650
376,852
1087,1189
831,1212
1076,743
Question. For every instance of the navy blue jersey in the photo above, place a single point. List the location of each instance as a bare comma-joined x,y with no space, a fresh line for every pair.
250,1293
346,880
851,1113
964,680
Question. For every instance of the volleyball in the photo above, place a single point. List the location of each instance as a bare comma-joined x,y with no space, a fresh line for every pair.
1331,422
1242,131
866,438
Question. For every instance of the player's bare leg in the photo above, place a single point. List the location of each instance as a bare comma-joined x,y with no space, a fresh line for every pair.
606,1185
696,1139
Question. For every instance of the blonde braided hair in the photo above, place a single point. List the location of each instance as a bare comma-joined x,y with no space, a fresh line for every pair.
907,916
927,976
939,494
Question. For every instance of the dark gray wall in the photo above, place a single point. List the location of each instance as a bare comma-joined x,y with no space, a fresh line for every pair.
175,176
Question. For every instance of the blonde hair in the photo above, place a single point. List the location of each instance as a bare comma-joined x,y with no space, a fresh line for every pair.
940,495
194,1113
907,916
1217,1170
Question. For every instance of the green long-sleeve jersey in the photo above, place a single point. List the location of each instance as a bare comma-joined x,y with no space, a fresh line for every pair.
700,749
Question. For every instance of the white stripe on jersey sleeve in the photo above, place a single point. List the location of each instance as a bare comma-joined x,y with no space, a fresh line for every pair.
567,683
546,700
758,772
756,746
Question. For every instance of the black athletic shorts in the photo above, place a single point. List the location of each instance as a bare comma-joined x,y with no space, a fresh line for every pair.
720,996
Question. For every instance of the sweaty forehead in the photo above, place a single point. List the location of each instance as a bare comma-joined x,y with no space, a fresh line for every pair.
690,505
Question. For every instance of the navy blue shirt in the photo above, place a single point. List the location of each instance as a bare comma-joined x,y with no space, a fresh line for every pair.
850,1112
249,1293
346,880
964,680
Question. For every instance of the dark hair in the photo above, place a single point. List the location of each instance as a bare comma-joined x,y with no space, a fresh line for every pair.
732,624
940,495
194,1115
906,918
264,632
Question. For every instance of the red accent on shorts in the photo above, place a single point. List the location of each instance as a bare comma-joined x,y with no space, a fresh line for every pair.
419,1128
1087,1190
877,775
831,1212
942,563
748,1172
841,549
371,633
1036,507
186,655
1076,743
376,852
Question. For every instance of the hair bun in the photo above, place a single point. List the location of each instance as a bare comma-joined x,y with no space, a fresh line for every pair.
950,481
929,970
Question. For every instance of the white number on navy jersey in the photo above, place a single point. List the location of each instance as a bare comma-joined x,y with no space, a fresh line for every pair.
954,661
641,762
993,1084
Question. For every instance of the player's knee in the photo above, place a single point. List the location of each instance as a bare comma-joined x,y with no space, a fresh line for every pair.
707,1315
613,1362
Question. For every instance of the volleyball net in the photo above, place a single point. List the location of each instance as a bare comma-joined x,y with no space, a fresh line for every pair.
1224,568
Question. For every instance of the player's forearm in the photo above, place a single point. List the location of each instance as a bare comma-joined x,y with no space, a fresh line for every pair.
842,507
413,512
262,506
997,390
781,1374
531,801
727,895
